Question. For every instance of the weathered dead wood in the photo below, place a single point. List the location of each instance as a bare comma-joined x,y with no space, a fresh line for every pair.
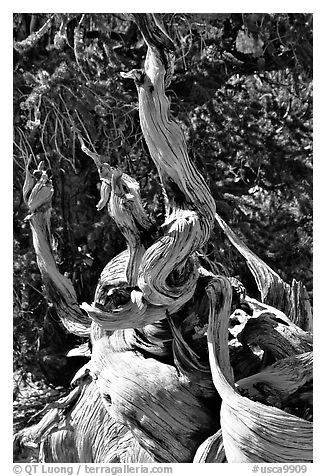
156,375
37,193
79,429
268,333
82,350
117,304
278,337
126,345
153,400
121,193
211,450
190,207
279,384
252,432
292,300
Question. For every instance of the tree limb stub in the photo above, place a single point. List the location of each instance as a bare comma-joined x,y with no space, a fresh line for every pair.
38,193
118,304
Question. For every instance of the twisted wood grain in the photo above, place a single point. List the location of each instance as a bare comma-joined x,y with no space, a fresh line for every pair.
252,432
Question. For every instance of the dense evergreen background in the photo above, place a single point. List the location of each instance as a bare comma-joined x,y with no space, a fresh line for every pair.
243,93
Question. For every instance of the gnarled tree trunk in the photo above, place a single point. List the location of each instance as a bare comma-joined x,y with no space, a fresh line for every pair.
165,381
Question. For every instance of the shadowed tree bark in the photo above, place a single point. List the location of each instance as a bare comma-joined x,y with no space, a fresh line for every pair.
168,336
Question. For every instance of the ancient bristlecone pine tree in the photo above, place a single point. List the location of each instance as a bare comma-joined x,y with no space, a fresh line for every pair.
184,366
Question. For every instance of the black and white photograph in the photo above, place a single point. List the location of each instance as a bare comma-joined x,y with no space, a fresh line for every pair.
162,241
